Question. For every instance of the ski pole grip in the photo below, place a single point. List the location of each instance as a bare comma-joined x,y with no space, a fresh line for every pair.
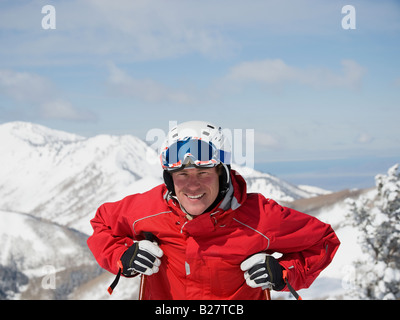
149,236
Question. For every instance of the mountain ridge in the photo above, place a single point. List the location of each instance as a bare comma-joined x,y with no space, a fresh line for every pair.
63,177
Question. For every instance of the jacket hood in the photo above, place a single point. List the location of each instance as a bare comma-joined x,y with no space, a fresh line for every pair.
237,191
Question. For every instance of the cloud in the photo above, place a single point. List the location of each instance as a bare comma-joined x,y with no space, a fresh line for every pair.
276,72
39,92
364,138
266,140
62,109
144,89
95,30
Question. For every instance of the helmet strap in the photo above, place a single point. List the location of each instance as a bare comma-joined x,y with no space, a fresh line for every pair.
169,182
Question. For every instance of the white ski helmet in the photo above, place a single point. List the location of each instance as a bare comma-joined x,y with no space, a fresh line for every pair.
196,144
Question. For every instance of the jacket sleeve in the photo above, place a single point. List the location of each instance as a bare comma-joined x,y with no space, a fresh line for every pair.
111,236
307,244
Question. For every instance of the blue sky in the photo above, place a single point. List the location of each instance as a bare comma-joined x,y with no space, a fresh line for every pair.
313,92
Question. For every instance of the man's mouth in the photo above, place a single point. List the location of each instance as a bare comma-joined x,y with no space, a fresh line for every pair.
195,197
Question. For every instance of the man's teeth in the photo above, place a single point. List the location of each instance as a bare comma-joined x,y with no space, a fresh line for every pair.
195,197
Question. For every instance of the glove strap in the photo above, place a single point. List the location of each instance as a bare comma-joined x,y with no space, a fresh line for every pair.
116,280
292,291
148,236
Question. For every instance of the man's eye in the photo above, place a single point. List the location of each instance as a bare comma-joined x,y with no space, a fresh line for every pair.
181,174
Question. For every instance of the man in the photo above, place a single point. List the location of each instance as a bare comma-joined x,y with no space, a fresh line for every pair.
201,235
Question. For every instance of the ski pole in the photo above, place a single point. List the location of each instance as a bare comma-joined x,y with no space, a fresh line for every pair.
267,291
267,294
150,237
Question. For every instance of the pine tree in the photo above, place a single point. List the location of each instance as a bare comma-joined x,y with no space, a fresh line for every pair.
378,219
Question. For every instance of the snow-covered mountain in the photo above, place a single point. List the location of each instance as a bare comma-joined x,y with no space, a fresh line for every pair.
51,183
37,255
273,187
63,177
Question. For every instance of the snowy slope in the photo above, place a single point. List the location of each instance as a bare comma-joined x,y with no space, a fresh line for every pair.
32,249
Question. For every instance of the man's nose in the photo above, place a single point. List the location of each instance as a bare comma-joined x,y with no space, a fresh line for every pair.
193,181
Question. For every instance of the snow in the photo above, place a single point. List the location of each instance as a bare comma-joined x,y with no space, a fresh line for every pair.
53,181
29,243
271,186
63,177
313,190
378,219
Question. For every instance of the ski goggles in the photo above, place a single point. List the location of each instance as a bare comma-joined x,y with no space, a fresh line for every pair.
192,151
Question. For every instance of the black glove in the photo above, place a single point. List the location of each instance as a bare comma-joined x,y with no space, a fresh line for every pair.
142,257
262,270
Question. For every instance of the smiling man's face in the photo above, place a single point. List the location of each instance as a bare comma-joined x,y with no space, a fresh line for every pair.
196,188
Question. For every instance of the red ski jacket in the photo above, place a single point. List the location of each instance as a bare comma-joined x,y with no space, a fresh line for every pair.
202,256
